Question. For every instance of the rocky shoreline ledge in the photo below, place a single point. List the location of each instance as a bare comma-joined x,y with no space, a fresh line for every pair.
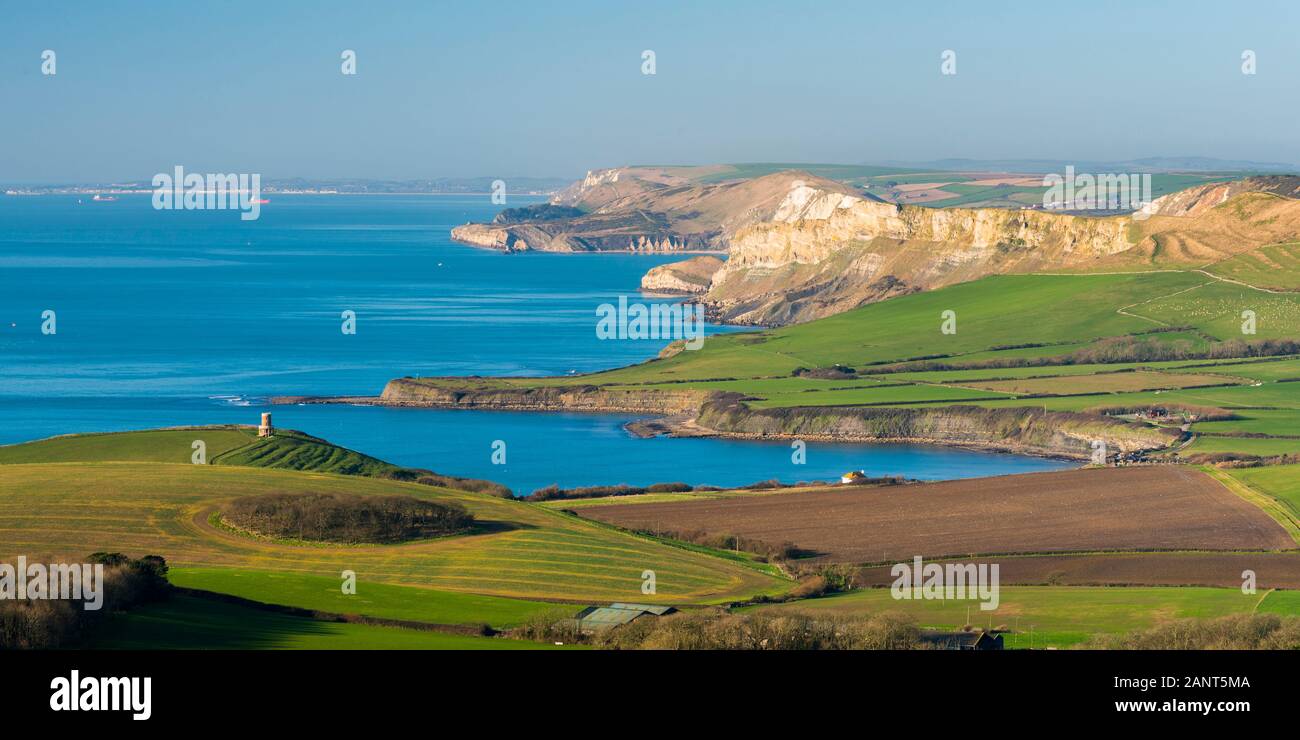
700,413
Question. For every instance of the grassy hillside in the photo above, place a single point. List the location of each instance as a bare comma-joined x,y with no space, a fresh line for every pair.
1061,616
1276,266
224,445
189,623
943,188
290,450
520,550
998,318
384,600
157,445
1282,482
1054,342
990,313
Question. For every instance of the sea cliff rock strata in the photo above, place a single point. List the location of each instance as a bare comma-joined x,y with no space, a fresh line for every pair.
414,392
801,247
641,209
1027,430
685,412
690,277
824,252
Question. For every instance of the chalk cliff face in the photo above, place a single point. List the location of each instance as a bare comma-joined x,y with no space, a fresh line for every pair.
645,210
1200,200
826,252
688,277
801,247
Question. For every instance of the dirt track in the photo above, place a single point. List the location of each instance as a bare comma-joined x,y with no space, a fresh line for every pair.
1142,508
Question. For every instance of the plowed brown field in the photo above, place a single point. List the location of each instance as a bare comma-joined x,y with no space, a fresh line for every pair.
1140,508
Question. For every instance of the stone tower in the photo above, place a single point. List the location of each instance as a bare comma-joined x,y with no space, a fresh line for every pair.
266,429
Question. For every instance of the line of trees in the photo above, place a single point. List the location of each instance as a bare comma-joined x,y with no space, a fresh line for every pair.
1234,632
65,623
347,519
554,492
716,629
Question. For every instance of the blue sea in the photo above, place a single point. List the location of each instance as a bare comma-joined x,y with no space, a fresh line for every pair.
196,317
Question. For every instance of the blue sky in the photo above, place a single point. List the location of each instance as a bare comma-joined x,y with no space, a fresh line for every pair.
512,88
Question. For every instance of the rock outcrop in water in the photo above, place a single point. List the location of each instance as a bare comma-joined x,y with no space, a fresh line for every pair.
682,278
439,393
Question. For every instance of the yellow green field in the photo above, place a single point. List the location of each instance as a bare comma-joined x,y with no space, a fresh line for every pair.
1059,616
189,623
523,551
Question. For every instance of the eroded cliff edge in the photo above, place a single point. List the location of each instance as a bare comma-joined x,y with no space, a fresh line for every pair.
801,247
689,412
640,209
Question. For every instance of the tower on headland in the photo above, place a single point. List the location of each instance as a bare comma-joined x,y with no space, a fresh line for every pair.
265,429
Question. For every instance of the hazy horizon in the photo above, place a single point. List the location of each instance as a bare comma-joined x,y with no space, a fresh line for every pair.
518,90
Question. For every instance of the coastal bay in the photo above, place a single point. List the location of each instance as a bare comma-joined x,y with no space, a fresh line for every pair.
202,320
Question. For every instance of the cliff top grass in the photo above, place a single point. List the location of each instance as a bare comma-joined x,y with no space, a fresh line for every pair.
223,445
234,445
1275,266
154,445
998,318
1046,322
1002,314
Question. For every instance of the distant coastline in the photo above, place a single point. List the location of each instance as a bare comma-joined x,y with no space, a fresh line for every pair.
265,191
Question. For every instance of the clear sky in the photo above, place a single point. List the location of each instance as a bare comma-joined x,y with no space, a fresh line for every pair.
505,88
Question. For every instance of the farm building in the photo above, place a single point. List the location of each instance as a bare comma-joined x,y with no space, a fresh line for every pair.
972,640
595,618
853,476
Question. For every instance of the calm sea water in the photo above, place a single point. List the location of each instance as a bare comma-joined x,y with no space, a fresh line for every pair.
193,317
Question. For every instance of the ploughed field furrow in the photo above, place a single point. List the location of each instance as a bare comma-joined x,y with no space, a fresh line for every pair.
1111,509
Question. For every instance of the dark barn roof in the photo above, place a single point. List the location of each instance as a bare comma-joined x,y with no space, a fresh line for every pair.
604,617
974,640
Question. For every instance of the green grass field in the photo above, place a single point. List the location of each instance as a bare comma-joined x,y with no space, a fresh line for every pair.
1274,422
990,312
518,553
1276,266
521,551
991,316
1010,318
1216,308
1282,482
223,445
138,493
968,195
382,600
158,445
190,623
1060,616
289,450
1262,447
1267,369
